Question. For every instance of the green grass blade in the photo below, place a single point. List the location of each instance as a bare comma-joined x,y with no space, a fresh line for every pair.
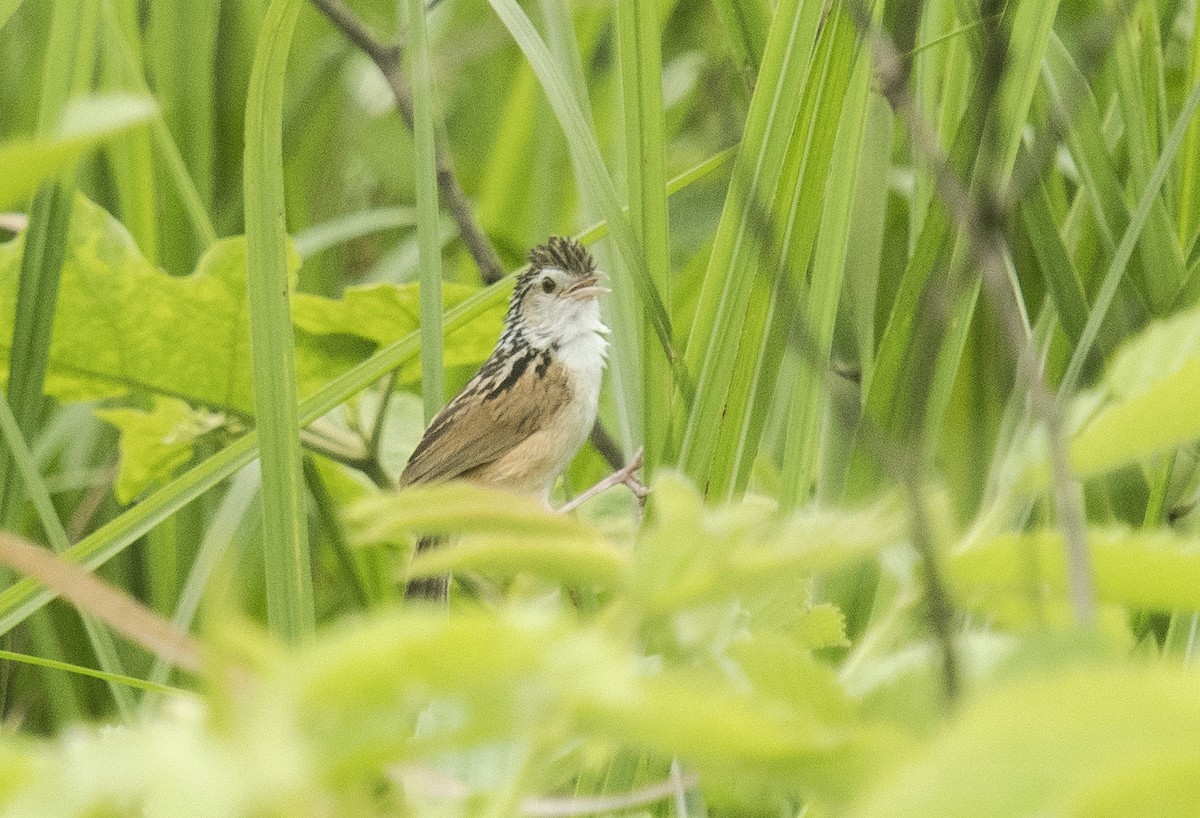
113,679
182,60
117,48
641,86
870,223
1124,251
7,7
320,237
821,305
1188,219
1161,255
1058,271
228,519
911,381
67,71
739,249
747,24
35,489
285,526
433,376
770,315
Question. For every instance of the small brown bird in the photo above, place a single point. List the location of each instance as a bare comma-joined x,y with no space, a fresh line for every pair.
523,416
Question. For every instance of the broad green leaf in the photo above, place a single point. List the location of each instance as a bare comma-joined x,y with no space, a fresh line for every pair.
117,327
1048,745
1153,569
384,313
88,122
156,443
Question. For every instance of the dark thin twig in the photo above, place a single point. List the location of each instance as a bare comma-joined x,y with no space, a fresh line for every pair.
387,59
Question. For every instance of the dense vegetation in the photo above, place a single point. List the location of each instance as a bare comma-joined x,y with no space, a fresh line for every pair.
904,316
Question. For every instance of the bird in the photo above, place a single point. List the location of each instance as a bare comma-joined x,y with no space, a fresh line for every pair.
521,419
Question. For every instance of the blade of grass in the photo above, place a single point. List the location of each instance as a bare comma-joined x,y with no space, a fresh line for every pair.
67,71
35,490
771,313
870,223
638,36
746,23
821,306
433,377
118,48
321,237
1058,271
7,8
113,679
1188,219
1124,252
917,360
1161,255
182,60
732,271
111,605
130,158
290,610
225,525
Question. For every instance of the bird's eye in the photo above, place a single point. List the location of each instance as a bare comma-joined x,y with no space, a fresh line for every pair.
548,285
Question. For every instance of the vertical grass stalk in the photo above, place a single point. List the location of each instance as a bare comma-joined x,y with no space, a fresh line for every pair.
641,87
433,379
285,533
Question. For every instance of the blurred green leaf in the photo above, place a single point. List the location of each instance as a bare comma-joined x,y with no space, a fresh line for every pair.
459,507
87,122
1154,569
1048,745
1153,398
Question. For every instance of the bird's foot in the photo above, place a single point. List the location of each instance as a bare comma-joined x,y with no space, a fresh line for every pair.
623,476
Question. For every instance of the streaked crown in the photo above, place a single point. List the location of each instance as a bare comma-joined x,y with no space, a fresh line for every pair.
564,253
560,253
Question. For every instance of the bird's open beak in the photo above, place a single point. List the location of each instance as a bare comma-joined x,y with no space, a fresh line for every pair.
588,287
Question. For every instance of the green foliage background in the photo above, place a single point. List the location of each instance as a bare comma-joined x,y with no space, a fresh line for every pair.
904,316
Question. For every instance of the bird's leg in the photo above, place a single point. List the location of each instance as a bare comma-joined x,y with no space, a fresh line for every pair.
624,475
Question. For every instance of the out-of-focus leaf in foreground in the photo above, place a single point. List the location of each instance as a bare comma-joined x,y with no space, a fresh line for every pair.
87,122
1101,741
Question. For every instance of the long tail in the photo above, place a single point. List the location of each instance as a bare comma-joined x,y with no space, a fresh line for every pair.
434,589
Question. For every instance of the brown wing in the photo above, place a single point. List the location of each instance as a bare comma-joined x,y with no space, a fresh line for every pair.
480,426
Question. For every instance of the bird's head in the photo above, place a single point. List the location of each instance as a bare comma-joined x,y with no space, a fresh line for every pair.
555,300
